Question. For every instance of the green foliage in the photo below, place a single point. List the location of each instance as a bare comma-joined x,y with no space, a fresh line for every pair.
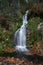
33,23
14,12
8,36
34,32
10,45
1,47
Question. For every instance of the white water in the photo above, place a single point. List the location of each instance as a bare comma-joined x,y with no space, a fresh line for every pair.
20,35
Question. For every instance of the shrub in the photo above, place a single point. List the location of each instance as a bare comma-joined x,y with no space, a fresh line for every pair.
34,33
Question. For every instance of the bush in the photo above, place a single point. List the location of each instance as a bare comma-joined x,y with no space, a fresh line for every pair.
34,32
1,47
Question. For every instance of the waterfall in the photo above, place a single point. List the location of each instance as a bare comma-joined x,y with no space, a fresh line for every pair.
20,36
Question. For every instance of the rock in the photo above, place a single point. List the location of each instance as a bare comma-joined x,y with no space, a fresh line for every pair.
27,53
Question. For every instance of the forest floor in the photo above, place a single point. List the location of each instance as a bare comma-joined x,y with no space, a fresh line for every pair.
32,57
18,61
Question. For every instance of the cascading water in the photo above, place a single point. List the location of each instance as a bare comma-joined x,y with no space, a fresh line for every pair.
20,36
